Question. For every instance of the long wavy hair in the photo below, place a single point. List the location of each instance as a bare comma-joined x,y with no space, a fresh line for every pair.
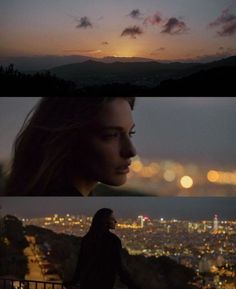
92,245
44,152
99,224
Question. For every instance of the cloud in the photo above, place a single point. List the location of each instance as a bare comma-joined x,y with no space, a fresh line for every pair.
157,51
104,43
174,26
92,51
154,19
135,14
88,51
84,22
227,22
160,49
132,31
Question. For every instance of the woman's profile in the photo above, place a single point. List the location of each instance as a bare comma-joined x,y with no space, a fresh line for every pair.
99,260
69,144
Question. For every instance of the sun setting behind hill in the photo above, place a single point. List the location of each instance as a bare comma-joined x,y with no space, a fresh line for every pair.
165,30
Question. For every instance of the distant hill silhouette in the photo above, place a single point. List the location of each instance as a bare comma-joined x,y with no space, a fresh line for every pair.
218,81
148,74
41,62
36,63
136,73
229,61
134,78
111,59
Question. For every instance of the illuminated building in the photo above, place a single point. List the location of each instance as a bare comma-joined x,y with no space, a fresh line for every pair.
141,221
204,265
168,229
215,224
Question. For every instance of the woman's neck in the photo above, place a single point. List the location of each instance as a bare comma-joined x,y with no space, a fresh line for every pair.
85,187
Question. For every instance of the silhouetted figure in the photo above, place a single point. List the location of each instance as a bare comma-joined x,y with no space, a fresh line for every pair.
99,259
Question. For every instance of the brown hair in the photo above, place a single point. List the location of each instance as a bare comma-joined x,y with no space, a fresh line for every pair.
44,148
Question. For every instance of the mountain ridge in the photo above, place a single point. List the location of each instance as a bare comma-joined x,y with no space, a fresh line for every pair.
36,62
150,74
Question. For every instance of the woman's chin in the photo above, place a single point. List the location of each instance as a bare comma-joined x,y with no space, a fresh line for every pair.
116,181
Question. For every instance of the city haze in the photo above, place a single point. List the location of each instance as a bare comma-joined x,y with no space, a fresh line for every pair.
181,208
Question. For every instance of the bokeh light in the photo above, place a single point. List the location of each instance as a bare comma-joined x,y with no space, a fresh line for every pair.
186,182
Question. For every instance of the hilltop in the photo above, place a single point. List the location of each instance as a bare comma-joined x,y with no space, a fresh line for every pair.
149,74
148,272
147,78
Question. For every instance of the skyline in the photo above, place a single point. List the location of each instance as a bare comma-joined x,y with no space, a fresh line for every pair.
185,29
189,129
182,208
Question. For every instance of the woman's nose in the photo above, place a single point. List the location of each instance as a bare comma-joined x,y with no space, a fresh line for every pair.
128,150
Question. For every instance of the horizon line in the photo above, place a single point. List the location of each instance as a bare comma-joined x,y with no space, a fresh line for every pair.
198,59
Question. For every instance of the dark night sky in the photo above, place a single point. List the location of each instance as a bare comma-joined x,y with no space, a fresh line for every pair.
183,128
173,207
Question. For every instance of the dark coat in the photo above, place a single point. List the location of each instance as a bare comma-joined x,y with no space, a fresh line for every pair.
99,262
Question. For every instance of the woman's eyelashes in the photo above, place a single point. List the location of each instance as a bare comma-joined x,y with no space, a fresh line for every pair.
131,133
117,134
110,136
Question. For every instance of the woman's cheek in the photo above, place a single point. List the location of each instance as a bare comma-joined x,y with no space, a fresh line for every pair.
107,150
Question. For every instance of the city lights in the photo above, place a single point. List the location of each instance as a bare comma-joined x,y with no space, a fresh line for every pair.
136,166
207,246
222,177
186,182
169,177
166,177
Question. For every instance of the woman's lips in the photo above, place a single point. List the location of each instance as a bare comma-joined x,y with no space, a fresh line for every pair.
123,169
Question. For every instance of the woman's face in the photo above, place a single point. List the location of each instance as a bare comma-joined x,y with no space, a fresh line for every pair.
112,222
106,148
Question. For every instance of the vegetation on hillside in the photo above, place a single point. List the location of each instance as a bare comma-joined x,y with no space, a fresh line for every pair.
13,262
210,80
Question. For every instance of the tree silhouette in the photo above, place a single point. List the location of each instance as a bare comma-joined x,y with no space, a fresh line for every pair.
13,261
16,83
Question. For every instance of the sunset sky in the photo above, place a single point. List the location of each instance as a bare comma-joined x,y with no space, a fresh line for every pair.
157,29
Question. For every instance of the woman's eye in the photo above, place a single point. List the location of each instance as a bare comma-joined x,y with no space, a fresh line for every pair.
116,135
110,135
132,133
